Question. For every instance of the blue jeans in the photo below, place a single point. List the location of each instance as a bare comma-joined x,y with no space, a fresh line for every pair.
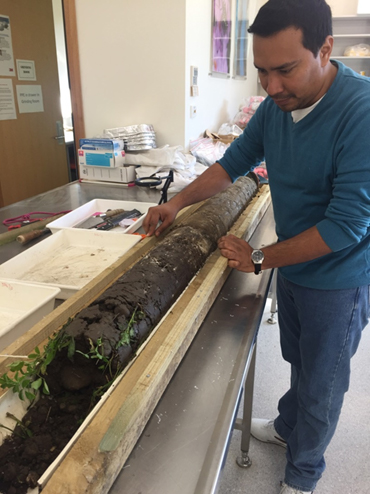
319,333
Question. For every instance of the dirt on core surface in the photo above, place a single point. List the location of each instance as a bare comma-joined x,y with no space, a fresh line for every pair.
104,337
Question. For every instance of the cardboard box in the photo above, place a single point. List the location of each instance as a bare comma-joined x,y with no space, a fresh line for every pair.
102,144
107,153
226,139
121,174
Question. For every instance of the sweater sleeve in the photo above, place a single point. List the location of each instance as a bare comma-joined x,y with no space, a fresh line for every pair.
347,218
246,151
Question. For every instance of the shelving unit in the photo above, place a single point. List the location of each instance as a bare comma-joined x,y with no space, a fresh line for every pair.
348,31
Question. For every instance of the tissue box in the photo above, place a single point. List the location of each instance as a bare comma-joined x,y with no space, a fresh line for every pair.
107,153
121,174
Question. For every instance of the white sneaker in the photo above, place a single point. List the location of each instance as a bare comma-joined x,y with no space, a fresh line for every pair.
264,430
285,489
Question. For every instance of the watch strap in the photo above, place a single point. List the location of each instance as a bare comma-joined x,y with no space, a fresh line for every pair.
257,268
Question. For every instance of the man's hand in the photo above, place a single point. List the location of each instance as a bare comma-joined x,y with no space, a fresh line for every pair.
238,252
213,180
304,247
165,213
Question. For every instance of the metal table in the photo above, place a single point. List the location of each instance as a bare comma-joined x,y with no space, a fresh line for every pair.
185,442
68,197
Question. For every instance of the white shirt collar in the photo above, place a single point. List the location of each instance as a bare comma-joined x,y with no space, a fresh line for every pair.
297,115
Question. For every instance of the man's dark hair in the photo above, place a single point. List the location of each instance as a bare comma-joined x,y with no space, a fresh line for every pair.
313,17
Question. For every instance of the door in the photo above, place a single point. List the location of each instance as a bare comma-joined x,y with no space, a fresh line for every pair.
32,152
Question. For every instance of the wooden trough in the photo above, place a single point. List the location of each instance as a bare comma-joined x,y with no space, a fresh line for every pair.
107,437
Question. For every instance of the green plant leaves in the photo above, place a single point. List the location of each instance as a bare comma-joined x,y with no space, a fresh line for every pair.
29,374
37,384
128,332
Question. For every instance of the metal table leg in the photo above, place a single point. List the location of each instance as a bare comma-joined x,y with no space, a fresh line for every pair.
244,424
273,310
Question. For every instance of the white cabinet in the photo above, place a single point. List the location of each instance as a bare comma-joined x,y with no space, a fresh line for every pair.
348,31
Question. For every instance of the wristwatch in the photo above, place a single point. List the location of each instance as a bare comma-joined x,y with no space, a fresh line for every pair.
257,257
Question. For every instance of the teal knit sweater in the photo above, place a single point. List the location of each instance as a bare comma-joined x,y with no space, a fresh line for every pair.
319,174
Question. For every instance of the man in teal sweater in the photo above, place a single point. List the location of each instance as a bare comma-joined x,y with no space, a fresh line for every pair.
313,132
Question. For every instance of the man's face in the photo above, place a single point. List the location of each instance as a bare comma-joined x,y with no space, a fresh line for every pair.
288,72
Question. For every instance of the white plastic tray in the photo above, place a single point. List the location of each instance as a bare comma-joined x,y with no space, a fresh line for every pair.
101,205
21,307
69,259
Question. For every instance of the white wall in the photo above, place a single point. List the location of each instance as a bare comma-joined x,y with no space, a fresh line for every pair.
135,60
338,7
219,98
135,68
343,7
132,56
363,7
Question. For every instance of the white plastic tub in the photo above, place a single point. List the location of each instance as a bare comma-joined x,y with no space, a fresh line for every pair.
69,259
21,307
101,205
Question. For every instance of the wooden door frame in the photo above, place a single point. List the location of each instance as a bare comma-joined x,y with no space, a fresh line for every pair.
73,62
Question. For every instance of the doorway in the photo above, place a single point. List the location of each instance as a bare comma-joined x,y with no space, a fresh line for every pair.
65,94
34,155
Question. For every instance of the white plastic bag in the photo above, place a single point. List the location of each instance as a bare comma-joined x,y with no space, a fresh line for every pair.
207,151
247,110
360,50
227,129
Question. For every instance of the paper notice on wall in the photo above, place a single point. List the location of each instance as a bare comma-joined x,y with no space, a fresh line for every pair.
7,103
6,48
30,99
26,70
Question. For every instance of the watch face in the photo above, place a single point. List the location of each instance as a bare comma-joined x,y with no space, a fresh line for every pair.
257,256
